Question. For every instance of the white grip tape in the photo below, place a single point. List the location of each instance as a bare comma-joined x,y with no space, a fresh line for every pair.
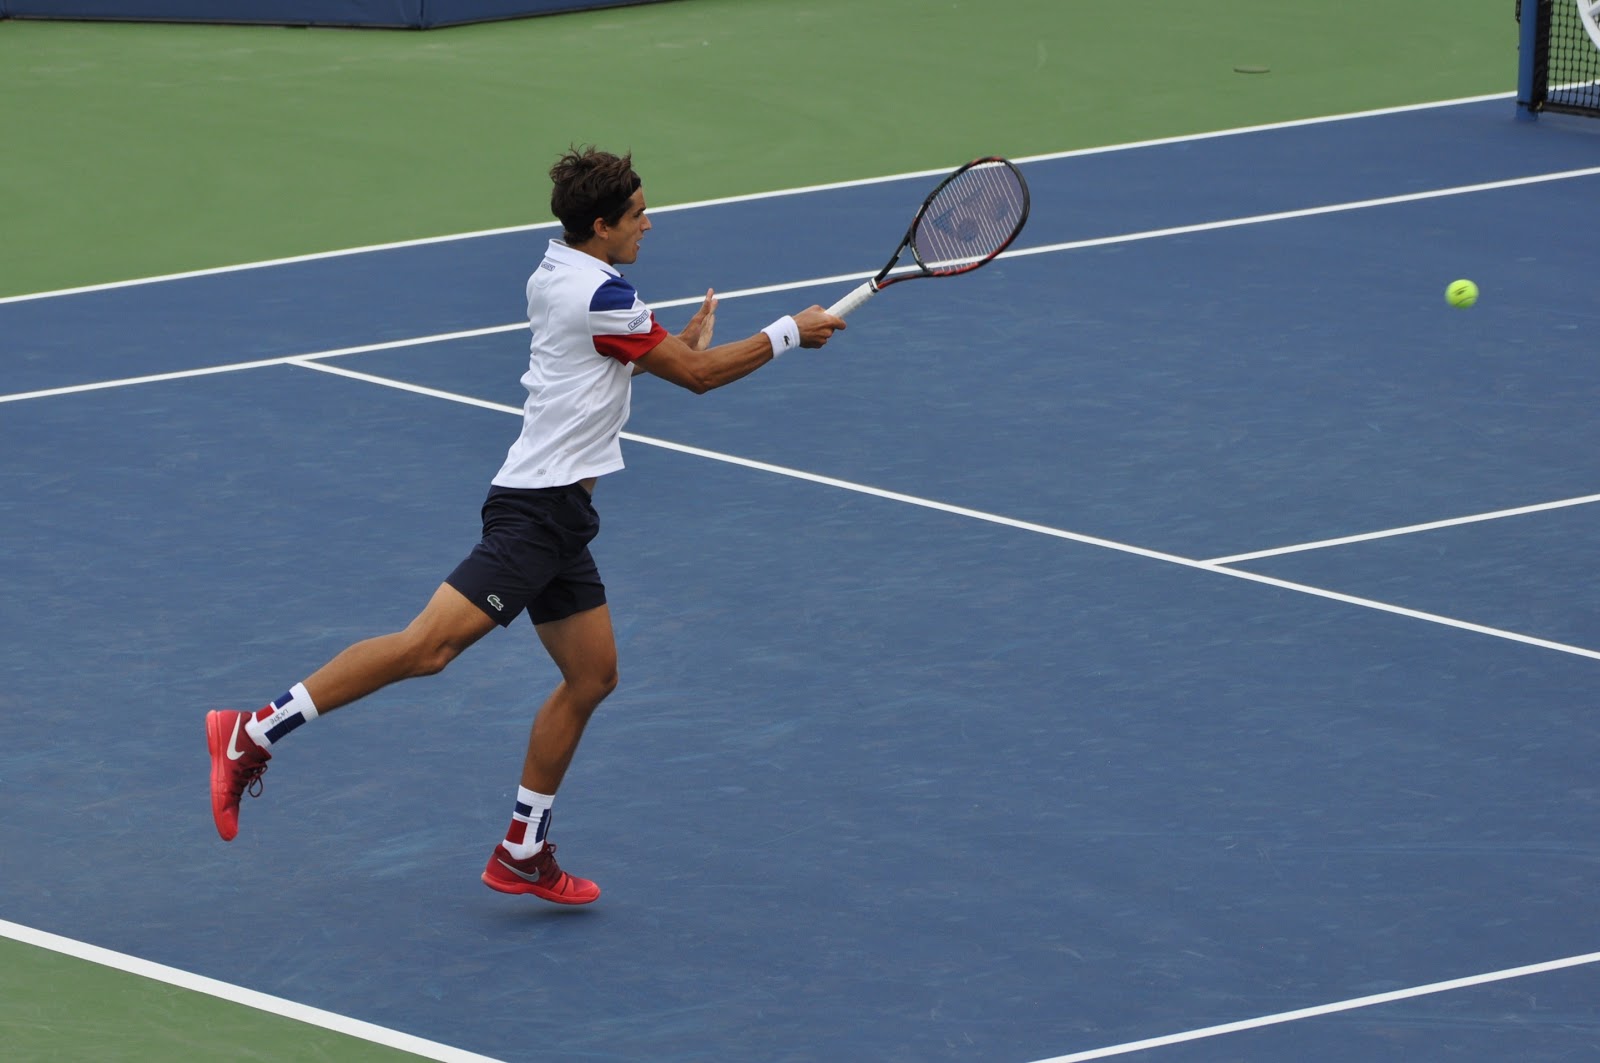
856,297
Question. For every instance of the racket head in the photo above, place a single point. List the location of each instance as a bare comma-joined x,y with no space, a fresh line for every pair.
972,216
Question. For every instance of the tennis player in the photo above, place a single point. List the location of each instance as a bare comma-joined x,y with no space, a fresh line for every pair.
591,335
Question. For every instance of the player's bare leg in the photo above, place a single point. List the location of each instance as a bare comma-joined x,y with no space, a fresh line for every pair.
240,743
585,650
445,627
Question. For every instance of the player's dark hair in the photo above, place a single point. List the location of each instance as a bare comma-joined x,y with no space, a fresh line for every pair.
590,184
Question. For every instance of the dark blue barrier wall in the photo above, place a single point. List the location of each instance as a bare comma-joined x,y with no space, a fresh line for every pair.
413,13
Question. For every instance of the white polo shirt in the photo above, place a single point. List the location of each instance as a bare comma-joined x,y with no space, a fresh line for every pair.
589,327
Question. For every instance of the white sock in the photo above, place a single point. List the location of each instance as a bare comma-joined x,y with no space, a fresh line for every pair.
532,811
276,720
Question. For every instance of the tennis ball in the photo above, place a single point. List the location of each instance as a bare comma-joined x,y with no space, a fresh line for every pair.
1461,293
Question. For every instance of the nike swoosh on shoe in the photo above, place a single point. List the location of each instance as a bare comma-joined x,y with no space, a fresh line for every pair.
523,875
234,752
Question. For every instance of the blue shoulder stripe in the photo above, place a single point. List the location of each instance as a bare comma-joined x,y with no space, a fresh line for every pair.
614,294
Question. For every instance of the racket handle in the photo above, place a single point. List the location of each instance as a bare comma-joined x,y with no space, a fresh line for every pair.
856,297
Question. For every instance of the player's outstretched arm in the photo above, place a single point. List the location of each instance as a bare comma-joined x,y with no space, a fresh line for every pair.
703,370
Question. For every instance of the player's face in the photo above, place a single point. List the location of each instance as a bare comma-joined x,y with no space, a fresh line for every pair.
622,239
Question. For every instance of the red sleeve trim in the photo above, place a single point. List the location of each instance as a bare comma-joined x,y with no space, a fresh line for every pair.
633,346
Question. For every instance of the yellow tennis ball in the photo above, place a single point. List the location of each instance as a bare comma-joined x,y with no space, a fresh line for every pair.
1461,293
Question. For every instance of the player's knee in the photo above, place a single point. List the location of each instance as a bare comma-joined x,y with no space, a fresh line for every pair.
431,657
597,684
433,663
605,682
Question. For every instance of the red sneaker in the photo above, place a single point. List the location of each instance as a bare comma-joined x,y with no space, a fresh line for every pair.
539,875
236,766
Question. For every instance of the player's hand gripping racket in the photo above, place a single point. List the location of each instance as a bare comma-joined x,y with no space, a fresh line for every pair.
965,223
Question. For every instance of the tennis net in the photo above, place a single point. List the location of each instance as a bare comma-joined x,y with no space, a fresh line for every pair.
1560,56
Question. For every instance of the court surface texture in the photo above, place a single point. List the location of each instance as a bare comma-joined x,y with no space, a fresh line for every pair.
1175,641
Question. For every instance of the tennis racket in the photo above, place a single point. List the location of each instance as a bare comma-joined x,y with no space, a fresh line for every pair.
965,223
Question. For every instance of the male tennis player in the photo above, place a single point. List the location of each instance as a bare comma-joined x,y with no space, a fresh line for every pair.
591,334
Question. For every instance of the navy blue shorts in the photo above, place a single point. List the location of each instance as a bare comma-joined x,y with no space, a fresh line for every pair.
534,555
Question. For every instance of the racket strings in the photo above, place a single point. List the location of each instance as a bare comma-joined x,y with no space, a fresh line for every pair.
971,219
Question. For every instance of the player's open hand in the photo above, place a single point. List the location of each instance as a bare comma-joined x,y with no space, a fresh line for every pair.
697,333
817,326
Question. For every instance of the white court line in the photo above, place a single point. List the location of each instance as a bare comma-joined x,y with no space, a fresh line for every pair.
1409,529
1327,1009
754,197
842,278
990,518
390,345
289,1009
402,385
1308,212
209,370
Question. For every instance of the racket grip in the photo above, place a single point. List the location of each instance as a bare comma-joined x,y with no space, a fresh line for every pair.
854,299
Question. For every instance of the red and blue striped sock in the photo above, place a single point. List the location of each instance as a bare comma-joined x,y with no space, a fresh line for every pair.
530,822
276,720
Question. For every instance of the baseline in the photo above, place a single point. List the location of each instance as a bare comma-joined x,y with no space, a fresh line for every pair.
753,197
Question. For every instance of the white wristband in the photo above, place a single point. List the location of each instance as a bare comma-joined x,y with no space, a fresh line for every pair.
784,335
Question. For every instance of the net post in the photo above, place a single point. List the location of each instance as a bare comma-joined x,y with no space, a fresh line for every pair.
1534,19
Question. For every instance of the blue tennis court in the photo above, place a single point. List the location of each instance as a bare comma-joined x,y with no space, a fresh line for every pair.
1175,641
